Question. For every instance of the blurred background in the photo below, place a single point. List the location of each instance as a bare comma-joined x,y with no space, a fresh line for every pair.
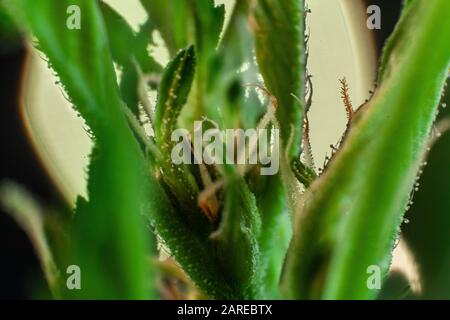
44,146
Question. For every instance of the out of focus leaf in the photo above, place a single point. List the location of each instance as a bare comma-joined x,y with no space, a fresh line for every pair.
172,20
225,89
108,239
208,22
10,37
129,50
30,216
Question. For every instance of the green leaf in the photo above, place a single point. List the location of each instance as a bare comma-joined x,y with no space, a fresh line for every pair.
279,35
173,93
194,253
208,22
29,215
72,53
350,217
129,50
428,233
224,89
303,173
237,239
227,89
109,242
108,236
172,20
121,36
278,28
10,37
406,3
275,235
128,47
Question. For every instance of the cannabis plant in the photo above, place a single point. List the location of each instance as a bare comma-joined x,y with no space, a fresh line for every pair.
224,230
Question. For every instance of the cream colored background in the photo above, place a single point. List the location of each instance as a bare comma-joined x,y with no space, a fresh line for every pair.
340,45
